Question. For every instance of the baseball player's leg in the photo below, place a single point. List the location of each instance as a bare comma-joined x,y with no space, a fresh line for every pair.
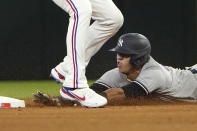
59,72
75,85
108,20
80,14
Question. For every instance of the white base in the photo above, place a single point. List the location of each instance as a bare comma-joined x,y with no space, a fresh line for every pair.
7,102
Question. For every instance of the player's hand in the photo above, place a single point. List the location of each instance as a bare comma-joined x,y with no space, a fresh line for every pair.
115,94
44,99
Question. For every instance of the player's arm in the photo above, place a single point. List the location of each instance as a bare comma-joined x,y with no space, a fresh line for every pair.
132,90
99,87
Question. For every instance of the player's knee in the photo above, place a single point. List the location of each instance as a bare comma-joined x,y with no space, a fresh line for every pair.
117,20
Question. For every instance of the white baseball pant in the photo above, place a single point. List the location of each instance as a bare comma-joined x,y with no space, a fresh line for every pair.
84,40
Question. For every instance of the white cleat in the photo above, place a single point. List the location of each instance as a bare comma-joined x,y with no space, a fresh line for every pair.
57,76
85,96
66,95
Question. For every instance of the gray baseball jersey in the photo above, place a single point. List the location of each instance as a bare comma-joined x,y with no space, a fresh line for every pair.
166,82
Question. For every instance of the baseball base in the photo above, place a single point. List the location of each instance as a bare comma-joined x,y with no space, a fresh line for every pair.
7,102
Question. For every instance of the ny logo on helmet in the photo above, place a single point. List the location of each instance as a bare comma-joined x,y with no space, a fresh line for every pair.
120,42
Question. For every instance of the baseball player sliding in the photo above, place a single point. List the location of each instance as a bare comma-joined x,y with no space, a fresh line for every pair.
138,74
83,41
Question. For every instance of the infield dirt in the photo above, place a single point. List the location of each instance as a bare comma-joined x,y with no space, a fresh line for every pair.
127,116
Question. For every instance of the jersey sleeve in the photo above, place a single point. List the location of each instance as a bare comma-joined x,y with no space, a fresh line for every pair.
151,80
135,89
113,79
98,88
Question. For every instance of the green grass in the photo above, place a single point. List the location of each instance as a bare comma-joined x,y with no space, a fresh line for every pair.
24,89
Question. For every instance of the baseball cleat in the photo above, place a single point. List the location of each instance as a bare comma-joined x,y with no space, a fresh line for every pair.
65,94
57,76
85,96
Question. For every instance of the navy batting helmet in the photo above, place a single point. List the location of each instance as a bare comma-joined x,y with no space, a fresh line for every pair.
135,45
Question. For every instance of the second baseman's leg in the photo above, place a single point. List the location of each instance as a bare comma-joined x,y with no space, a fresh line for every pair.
80,12
75,86
108,20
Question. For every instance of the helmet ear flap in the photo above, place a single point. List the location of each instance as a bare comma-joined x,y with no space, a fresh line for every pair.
135,62
139,62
